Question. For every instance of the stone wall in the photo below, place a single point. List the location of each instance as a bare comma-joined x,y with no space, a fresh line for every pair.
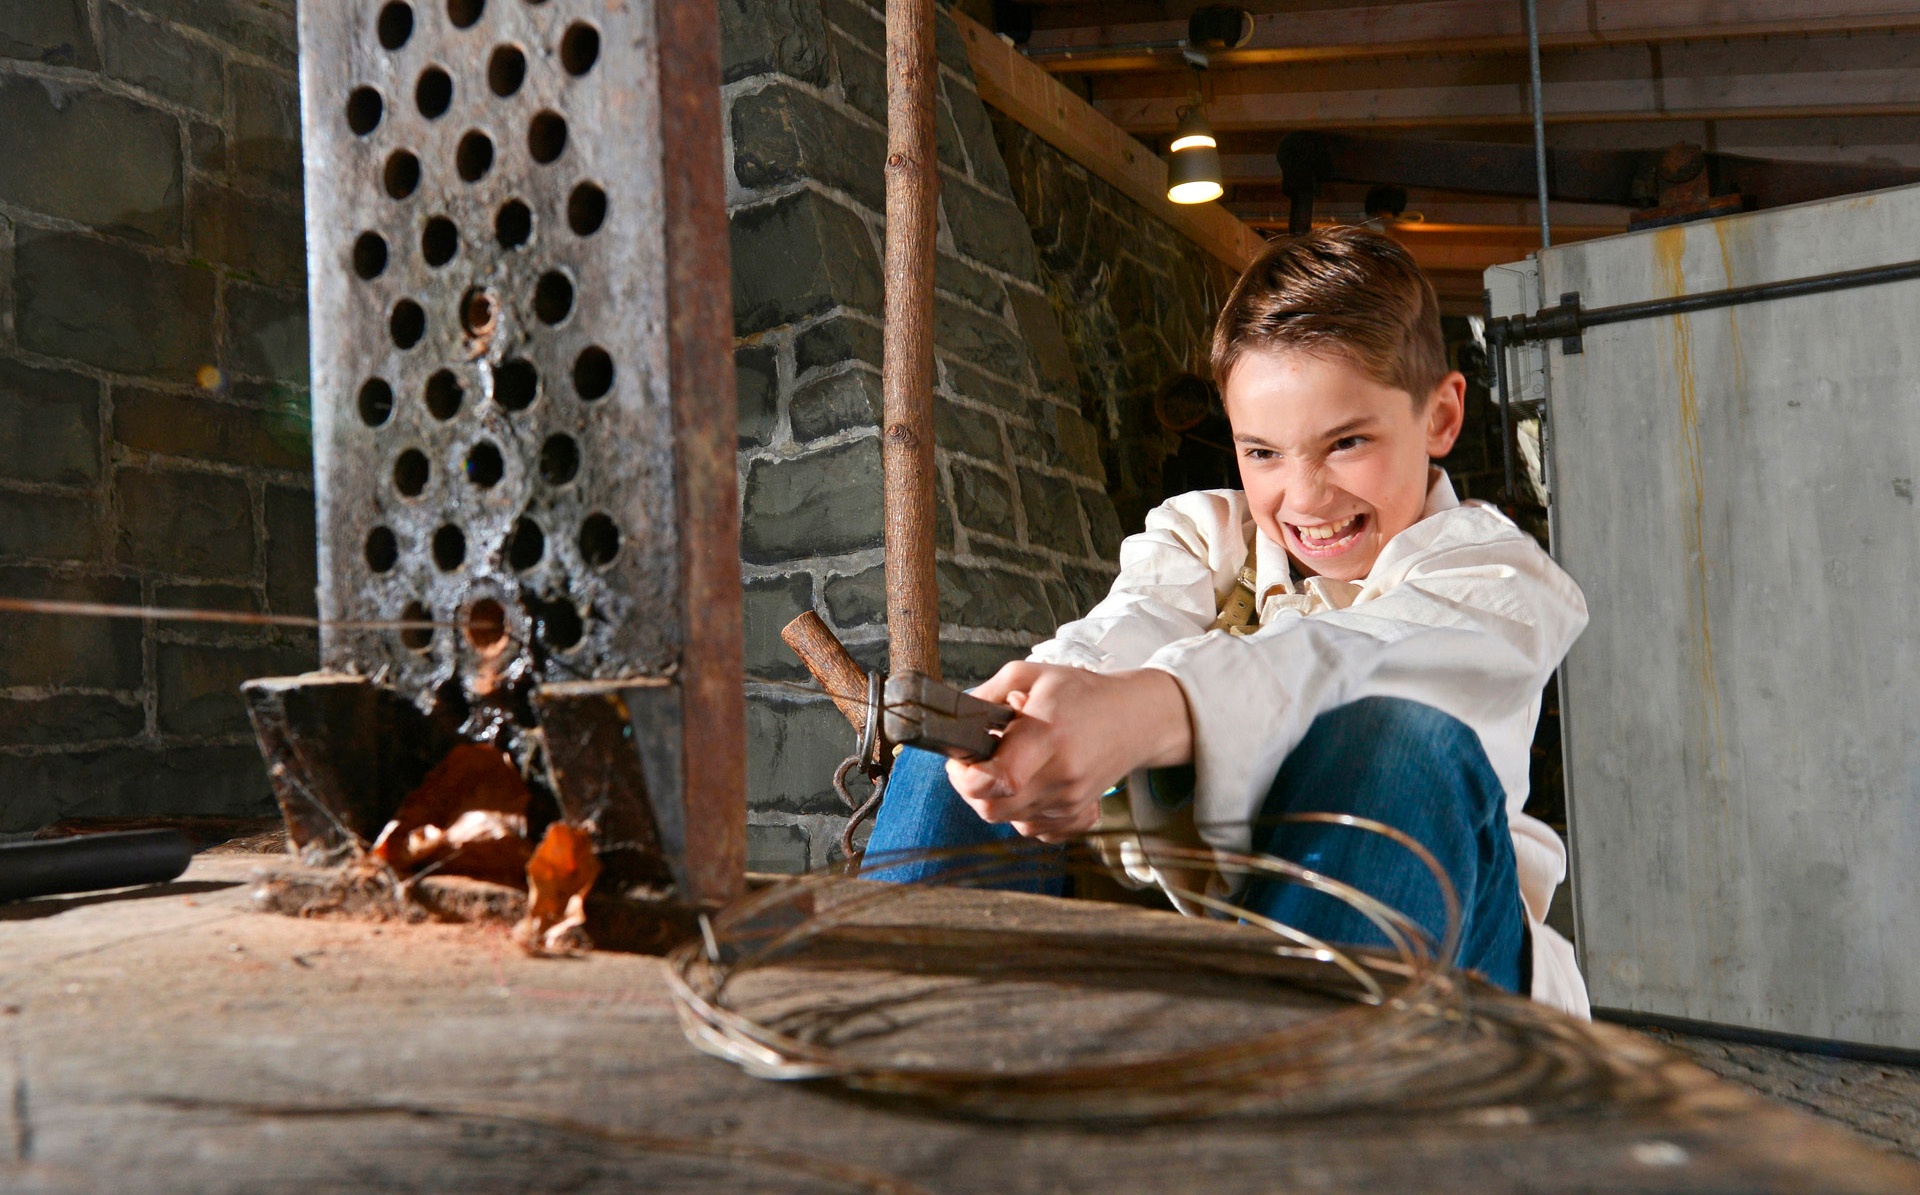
153,407
1026,529
1135,301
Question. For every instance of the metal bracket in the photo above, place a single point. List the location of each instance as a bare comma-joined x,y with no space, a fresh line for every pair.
1570,344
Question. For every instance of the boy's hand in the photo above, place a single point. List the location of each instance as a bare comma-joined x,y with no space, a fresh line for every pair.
1078,732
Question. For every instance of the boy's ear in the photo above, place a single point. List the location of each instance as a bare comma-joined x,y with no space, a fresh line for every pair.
1446,411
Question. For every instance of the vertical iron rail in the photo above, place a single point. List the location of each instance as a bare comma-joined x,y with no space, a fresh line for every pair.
906,380
1539,118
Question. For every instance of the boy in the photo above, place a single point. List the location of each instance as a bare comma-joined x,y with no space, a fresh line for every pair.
1394,664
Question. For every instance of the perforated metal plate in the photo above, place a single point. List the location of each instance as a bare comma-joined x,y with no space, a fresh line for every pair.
523,407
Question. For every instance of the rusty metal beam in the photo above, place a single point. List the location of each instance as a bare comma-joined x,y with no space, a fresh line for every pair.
1330,33
906,377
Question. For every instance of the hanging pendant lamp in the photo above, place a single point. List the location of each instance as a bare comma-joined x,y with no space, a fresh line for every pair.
1193,172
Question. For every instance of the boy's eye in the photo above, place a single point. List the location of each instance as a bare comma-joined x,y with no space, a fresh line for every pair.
1346,442
1259,454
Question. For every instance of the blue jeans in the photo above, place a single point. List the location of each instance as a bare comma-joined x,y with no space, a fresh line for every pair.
1399,762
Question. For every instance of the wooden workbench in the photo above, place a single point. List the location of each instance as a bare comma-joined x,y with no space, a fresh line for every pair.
170,1039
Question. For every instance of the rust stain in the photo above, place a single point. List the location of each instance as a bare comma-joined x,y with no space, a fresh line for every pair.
1669,246
1720,229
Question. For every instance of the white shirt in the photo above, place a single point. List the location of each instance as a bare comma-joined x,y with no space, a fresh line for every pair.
1462,611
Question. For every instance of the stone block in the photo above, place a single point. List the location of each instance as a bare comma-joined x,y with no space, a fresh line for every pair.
207,148
1064,603
185,524
976,133
782,135
819,504
989,229
1076,441
861,21
1052,359
963,429
45,649
966,335
863,77
110,306
776,850
1053,514
266,333
793,748
68,718
835,403
1090,585
203,428
983,500
843,337
197,685
293,575
49,425
262,27
769,604
966,664
266,127
993,599
97,159
977,387
857,599
799,256
226,781
48,526
946,140
255,236
950,46
756,385
150,55
761,36
205,597
51,31
1103,523
1007,552
978,287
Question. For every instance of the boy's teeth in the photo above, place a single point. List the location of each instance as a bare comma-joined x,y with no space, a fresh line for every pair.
1328,530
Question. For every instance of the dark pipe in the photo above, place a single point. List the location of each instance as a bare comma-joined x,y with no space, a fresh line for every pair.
1497,354
90,862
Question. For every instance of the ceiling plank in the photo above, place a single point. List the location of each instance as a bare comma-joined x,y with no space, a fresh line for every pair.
1325,32
1068,123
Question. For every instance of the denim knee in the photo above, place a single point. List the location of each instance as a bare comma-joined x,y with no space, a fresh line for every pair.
1396,719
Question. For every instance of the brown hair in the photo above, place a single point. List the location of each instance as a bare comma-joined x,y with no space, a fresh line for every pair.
1345,291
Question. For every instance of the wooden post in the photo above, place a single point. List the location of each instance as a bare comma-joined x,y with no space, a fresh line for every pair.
835,671
906,377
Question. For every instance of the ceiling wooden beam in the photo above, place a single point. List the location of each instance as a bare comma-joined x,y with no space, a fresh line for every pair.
1068,123
1320,32
1789,77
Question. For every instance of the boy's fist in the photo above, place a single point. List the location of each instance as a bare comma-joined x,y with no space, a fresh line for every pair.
1078,732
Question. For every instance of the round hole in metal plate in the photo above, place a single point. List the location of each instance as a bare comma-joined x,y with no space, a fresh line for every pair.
486,624
410,472
417,639
485,465
599,540
579,48
401,177
463,13
444,394
506,70
516,383
474,156
376,402
407,324
547,137
553,297
559,459
364,109
513,225
526,545
382,550
370,255
433,94
586,209
560,624
439,241
449,548
395,25
592,373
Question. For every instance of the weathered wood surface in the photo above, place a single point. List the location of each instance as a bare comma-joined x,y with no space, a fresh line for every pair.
173,1040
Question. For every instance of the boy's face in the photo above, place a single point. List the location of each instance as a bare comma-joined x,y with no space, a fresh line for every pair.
1334,463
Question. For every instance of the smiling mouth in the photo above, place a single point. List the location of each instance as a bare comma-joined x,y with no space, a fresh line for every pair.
1329,539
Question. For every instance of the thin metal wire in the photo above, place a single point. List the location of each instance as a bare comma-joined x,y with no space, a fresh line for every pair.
232,617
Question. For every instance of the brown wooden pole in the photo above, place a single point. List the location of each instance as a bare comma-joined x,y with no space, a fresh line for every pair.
833,669
906,377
